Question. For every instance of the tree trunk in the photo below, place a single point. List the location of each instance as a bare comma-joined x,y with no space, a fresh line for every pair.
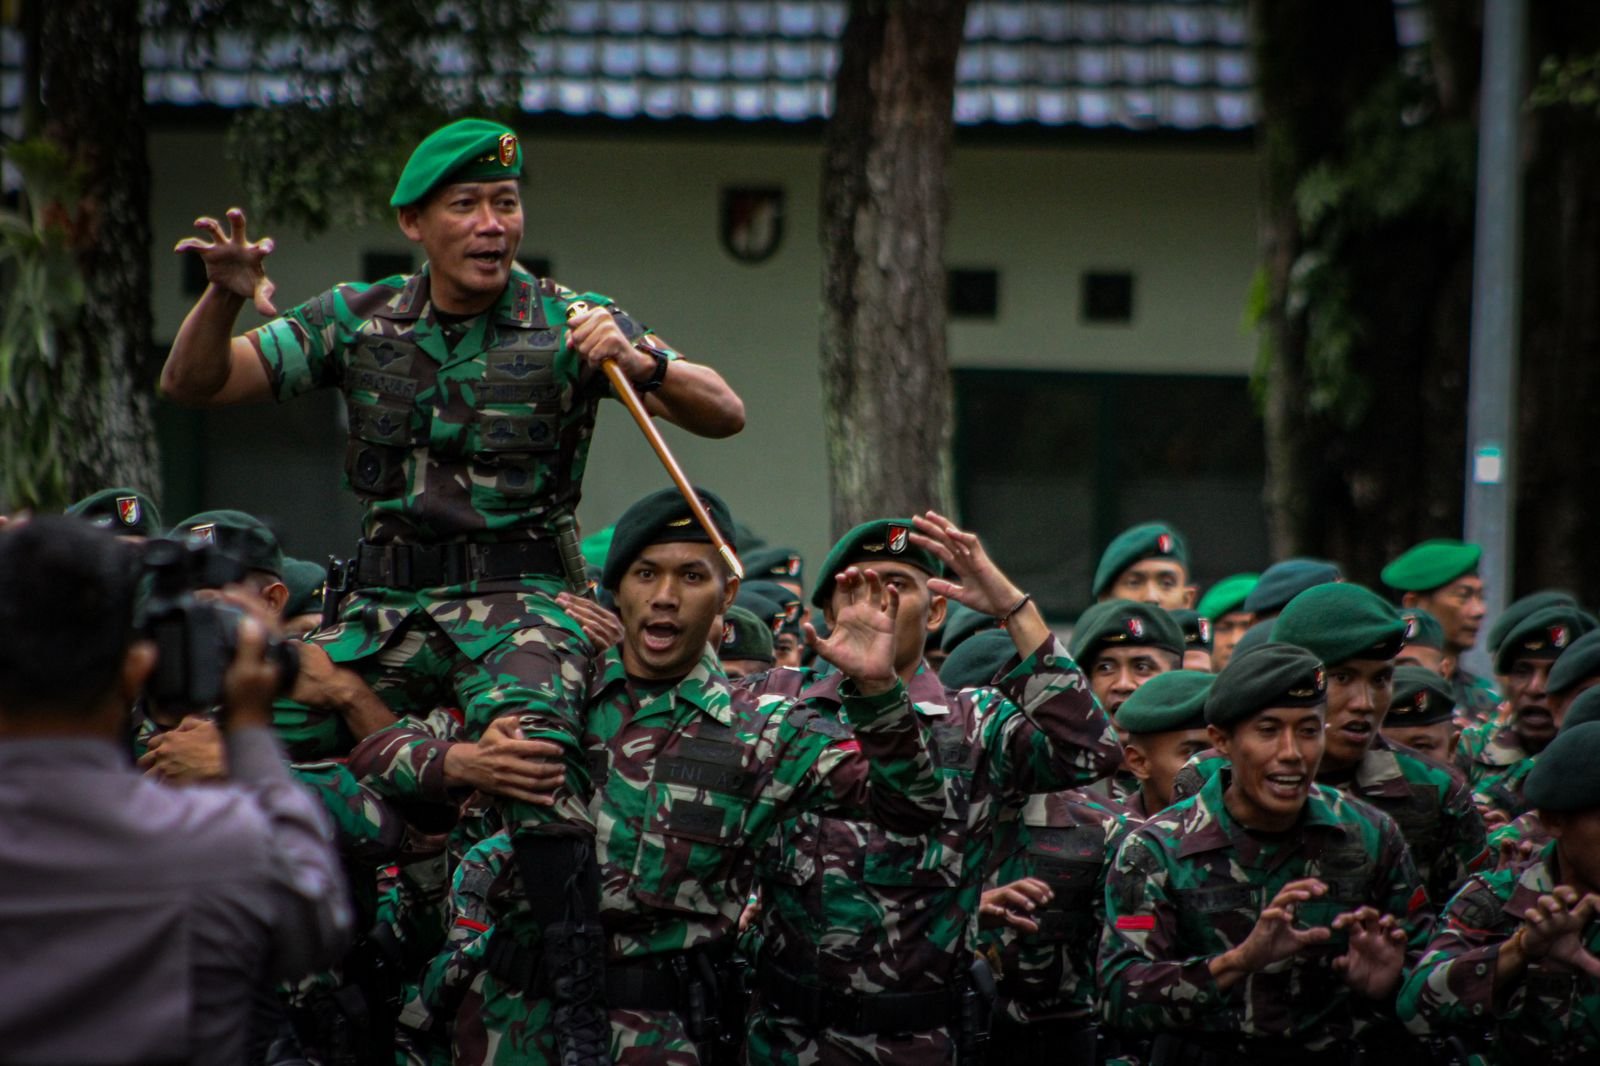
92,83
885,204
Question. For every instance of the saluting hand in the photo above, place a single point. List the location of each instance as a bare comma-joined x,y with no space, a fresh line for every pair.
861,643
1377,953
234,263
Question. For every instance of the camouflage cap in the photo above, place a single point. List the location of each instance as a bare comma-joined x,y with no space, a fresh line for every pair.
774,564
1273,675
1421,697
1196,628
888,539
744,636
1422,629
305,580
961,622
470,149
1151,540
1563,777
238,535
1430,565
127,512
663,517
1577,664
1585,708
1167,703
1282,582
1123,623
979,658
1341,622
1521,608
1543,634
1227,595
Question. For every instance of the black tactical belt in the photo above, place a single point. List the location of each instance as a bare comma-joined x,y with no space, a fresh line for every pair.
630,985
855,1013
427,566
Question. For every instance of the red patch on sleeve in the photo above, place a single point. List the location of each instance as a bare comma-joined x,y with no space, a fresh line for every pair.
1139,923
1419,900
1477,863
468,923
852,745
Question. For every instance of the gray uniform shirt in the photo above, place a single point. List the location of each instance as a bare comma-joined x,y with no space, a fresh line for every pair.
136,919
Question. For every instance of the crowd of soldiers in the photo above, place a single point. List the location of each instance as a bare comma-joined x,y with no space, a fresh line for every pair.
650,812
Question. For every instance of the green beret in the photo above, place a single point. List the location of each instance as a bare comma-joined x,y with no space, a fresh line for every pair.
663,517
976,662
1586,708
744,636
961,622
1257,635
1563,777
1422,628
471,149
1124,623
1518,609
596,546
746,539
1272,675
769,610
1167,703
1282,582
1543,634
127,512
882,538
1341,622
237,535
305,580
1430,565
791,606
1196,628
1152,540
1579,663
1227,595
1421,697
778,564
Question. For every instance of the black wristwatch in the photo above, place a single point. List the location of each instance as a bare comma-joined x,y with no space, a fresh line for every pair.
659,374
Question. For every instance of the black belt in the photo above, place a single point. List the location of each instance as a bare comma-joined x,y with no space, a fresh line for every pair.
427,566
630,985
856,1013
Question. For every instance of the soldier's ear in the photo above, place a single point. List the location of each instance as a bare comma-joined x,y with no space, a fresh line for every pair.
1191,594
938,608
730,590
1219,740
408,217
1411,599
1138,763
276,595
137,664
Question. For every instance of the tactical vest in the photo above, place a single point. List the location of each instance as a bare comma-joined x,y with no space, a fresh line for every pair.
500,421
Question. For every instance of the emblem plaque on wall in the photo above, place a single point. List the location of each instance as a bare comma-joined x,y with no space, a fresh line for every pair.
752,221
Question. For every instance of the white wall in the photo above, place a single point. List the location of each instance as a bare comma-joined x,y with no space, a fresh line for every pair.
637,218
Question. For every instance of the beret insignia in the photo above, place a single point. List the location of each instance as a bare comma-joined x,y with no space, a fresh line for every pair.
1135,627
204,534
508,149
1164,544
1558,636
899,537
1205,630
128,510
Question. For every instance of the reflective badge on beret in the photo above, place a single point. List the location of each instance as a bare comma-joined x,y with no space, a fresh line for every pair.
793,569
1558,636
1135,627
1164,544
1205,630
128,511
679,522
1411,628
508,149
205,534
1319,683
899,537
729,634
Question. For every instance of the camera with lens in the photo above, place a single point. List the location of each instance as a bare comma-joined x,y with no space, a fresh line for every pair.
196,640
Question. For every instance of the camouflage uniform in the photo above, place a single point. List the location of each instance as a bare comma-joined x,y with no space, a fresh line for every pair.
1046,979
1550,1014
1189,885
1489,751
1503,792
1426,799
1476,698
692,780
853,908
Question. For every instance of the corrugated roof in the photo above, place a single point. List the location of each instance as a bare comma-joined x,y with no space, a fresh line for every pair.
1133,64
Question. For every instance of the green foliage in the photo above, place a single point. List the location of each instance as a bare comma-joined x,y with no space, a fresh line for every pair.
355,84
37,358
1401,164
1569,82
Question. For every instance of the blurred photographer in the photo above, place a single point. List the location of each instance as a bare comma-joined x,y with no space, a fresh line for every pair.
137,920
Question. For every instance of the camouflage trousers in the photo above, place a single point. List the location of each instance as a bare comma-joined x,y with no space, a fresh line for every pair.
779,1040
500,1026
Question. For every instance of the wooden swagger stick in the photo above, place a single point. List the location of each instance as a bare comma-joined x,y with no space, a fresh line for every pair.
630,400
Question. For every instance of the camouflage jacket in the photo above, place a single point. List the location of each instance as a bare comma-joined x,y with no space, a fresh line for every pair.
481,436
1549,1014
1476,698
1503,792
1427,800
1189,885
860,906
1487,751
1066,840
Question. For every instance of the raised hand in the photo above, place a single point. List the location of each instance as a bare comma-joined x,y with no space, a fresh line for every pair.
861,643
234,263
1274,937
1377,953
1014,904
1554,929
980,584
